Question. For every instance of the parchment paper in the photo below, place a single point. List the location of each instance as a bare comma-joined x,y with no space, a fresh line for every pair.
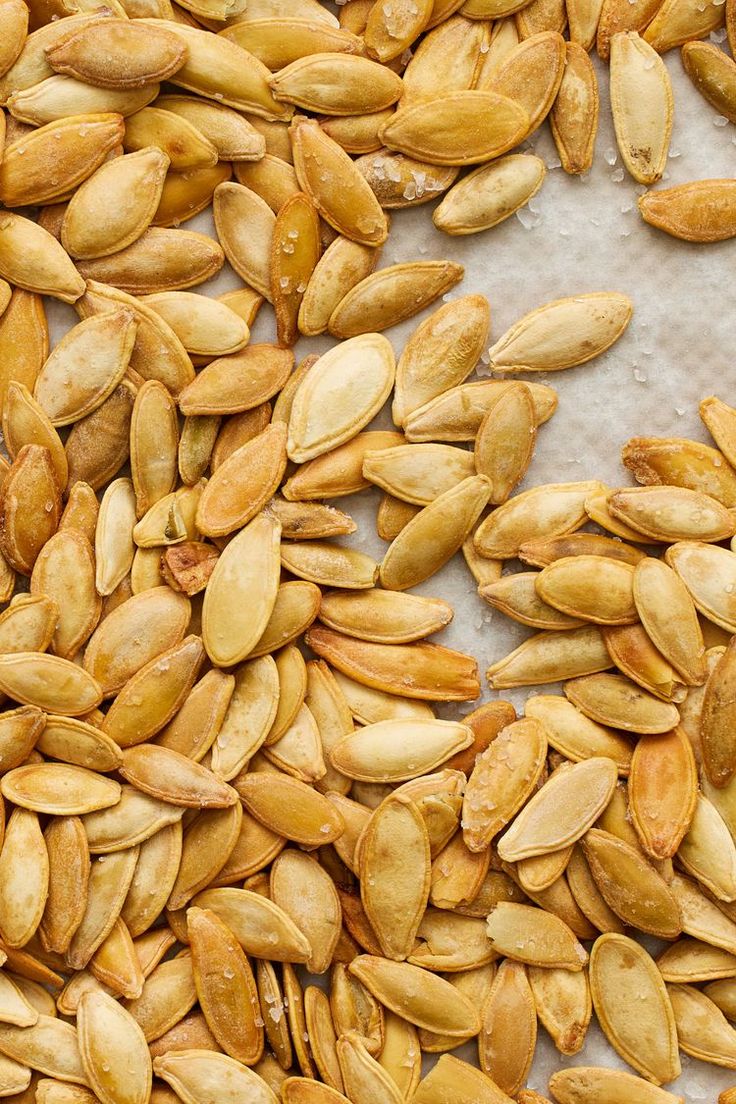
577,235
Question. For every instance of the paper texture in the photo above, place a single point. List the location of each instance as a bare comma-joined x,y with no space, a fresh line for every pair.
578,235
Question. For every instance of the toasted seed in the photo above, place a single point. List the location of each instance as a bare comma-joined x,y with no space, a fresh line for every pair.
114,1051
322,1039
232,135
337,84
277,41
715,727
183,143
59,789
157,353
65,572
225,985
558,814
553,509
330,564
676,22
159,260
712,74
526,934
718,418
641,100
530,74
132,54
154,438
254,920
168,995
207,844
45,166
114,535
136,632
250,255
446,60
399,181
292,267
440,353
464,128
194,1072
576,736
701,918
418,473
382,616
550,657
19,732
306,893
431,538
185,194
574,114
58,97
230,630
721,994
389,30
706,851
391,295
344,264
563,1004
30,510
633,652
86,366
613,700
563,333
701,211
463,1082
296,606
490,194
702,1029
631,887
417,995
290,808
153,880
587,1083
689,960
633,1007
456,414
243,484
517,755
169,776
97,221
706,571
325,413
28,624
369,705
249,717
34,261
373,753
572,586
26,422
682,463
363,1077
16,1009
271,178
337,189
151,697
668,615
48,1046
663,791
48,682
508,1032
241,382
425,671
109,881
134,819
395,895
24,878
340,471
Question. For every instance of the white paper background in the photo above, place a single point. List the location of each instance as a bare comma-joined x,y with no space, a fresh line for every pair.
580,235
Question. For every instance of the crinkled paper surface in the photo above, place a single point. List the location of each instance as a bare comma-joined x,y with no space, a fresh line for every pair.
578,235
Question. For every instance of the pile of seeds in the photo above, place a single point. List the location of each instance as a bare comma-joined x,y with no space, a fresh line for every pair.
221,768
